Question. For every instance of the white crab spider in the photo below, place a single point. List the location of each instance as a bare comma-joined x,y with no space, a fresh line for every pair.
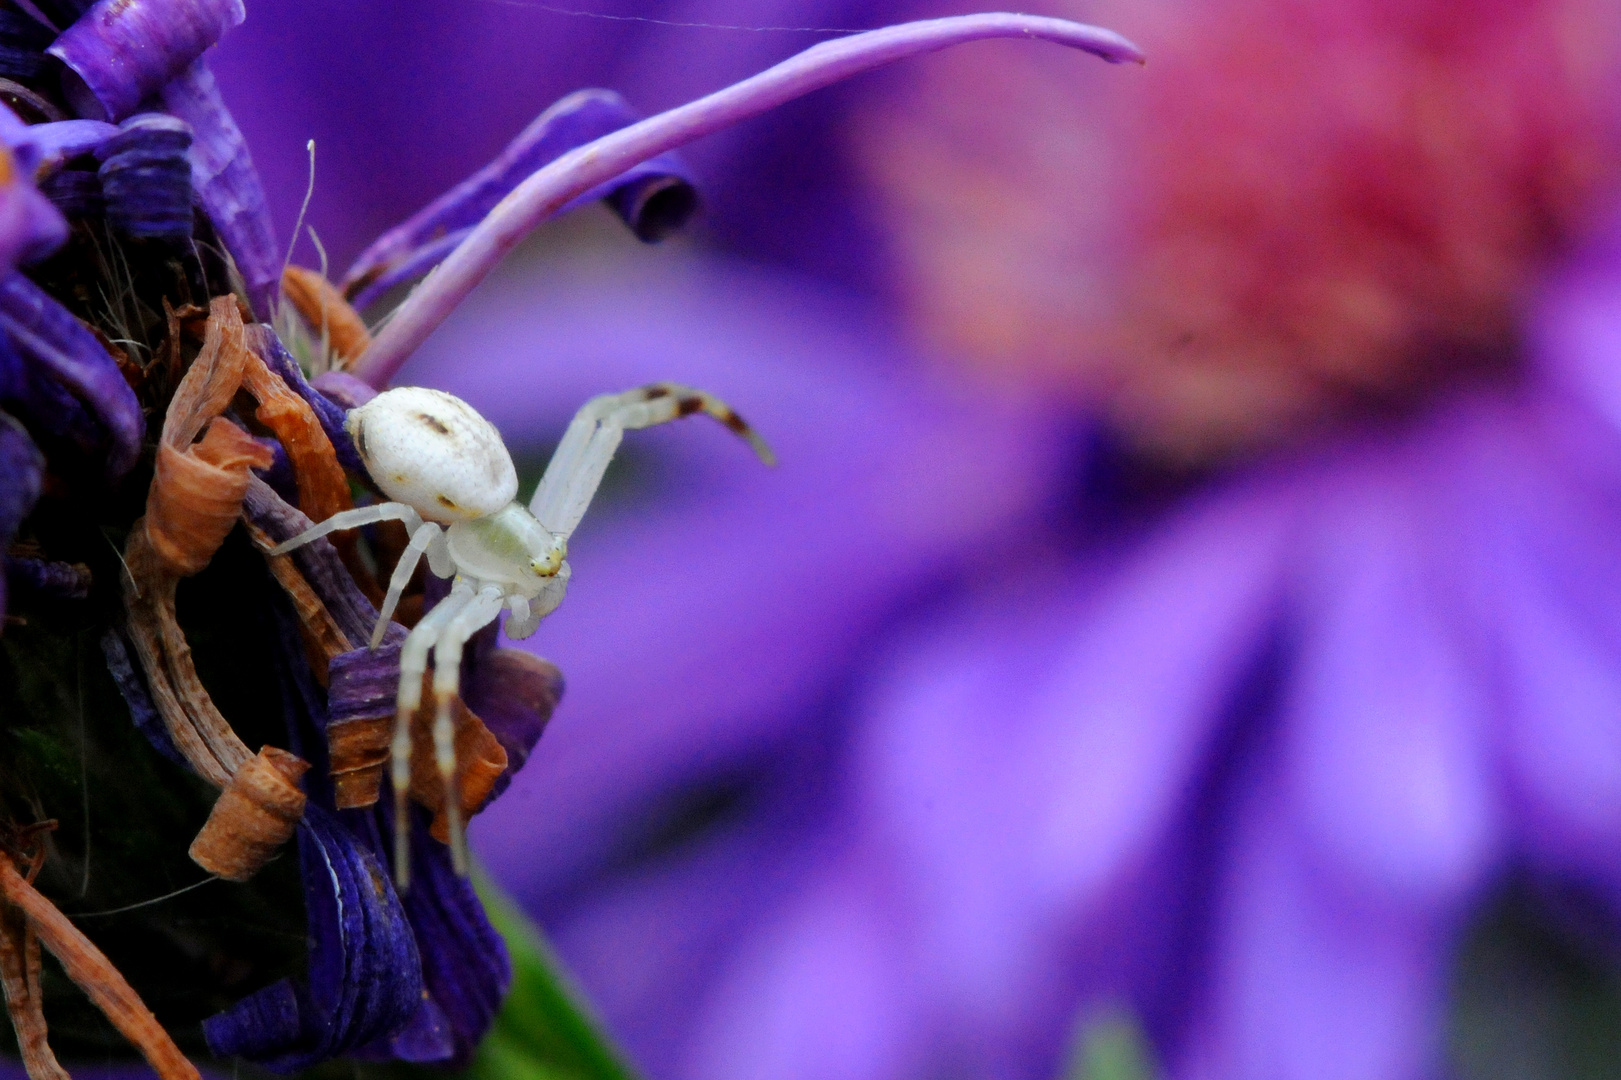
454,487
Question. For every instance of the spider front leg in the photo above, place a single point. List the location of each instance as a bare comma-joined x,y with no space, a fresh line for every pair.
527,611
413,665
353,519
428,538
447,666
575,471
425,537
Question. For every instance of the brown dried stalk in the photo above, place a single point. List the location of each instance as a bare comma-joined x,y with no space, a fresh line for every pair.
327,313
199,731
19,978
90,970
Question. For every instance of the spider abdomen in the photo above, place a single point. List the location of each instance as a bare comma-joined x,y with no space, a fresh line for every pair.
433,452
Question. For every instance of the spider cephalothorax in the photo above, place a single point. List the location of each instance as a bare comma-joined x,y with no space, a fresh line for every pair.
453,484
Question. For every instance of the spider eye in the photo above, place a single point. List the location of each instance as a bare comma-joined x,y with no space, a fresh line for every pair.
548,564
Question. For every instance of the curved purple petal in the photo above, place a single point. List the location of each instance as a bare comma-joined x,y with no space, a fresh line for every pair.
414,246
465,967
364,978
44,577
547,191
1541,516
1387,721
121,52
1310,983
1027,770
515,694
132,688
344,389
23,40
58,345
22,475
825,988
47,406
76,193
227,184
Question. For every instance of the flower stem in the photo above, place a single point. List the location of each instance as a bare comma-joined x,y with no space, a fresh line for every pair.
550,188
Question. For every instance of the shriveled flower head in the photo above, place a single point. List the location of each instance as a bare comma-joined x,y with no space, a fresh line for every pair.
1325,207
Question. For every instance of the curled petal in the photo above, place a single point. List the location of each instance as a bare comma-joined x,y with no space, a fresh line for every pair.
58,345
44,577
227,184
76,193
253,817
146,177
196,496
121,52
654,198
364,980
360,709
514,693
322,488
551,189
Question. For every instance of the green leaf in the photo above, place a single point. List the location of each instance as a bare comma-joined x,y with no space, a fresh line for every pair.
1111,1046
544,1031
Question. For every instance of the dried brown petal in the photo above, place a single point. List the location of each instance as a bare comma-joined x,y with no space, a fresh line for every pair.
480,761
323,639
213,378
93,973
197,492
358,750
253,817
196,495
326,312
322,488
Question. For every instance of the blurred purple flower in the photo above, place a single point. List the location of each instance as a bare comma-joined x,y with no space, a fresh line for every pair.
1245,762
968,748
